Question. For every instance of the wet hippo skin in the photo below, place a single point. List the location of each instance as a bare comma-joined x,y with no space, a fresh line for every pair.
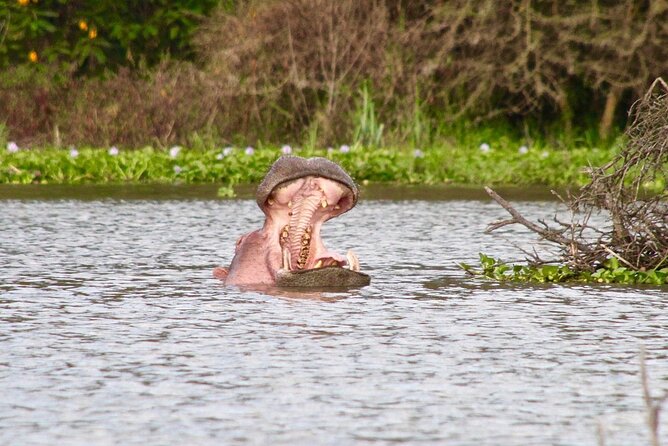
297,196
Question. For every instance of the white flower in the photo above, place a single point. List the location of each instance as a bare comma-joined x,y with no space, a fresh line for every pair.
544,154
330,150
113,150
484,147
286,149
12,147
74,152
174,151
249,150
227,151
220,156
417,153
344,148
523,150
177,169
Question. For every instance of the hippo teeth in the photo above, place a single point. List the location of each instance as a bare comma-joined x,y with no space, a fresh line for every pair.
353,261
301,213
305,248
285,251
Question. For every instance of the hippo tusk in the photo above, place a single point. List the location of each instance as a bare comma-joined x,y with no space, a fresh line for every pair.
286,259
353,261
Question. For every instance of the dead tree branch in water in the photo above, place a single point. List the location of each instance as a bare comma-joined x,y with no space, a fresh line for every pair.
652,404
637,233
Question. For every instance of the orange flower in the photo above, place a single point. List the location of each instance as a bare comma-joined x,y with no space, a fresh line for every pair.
83,26
23,2
92,33
32,56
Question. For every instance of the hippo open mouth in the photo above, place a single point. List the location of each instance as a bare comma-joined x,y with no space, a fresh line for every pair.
297,196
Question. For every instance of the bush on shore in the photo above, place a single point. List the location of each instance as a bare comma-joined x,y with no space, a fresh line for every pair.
328,71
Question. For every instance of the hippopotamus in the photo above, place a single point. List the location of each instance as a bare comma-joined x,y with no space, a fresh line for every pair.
297,196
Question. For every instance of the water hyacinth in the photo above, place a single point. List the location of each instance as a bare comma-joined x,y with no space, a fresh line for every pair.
286,150
12,147
485,148
249,150
113,151
174,151
178,169
417,153
523,150
344,148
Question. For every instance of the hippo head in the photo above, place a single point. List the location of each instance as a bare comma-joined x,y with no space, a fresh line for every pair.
297,196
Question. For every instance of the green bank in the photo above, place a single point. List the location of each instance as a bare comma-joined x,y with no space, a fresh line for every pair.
484,162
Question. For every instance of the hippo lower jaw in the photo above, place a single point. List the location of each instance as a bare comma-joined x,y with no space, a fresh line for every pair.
326,277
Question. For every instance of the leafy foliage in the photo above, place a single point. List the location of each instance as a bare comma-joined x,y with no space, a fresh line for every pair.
610,272
462,163
94,35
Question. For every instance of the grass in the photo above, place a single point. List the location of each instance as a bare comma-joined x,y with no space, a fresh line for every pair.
474,161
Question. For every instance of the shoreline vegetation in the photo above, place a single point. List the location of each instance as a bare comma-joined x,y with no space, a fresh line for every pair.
502,163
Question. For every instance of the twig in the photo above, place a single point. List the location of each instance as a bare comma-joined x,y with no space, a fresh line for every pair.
546,233
620,258
653,407
600,433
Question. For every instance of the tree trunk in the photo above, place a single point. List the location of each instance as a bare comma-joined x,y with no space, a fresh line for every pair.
609,112
566,114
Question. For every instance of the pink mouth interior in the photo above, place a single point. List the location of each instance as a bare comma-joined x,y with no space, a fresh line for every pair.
298,209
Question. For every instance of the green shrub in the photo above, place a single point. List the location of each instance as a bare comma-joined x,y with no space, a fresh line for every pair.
98,35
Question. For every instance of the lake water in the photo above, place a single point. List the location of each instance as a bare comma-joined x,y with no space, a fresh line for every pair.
114,332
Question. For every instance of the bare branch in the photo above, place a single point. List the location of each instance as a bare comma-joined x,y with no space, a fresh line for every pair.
546,232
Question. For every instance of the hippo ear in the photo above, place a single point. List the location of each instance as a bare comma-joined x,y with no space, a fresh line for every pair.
220,273
240,240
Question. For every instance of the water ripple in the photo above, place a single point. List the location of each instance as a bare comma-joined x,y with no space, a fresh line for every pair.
114,332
